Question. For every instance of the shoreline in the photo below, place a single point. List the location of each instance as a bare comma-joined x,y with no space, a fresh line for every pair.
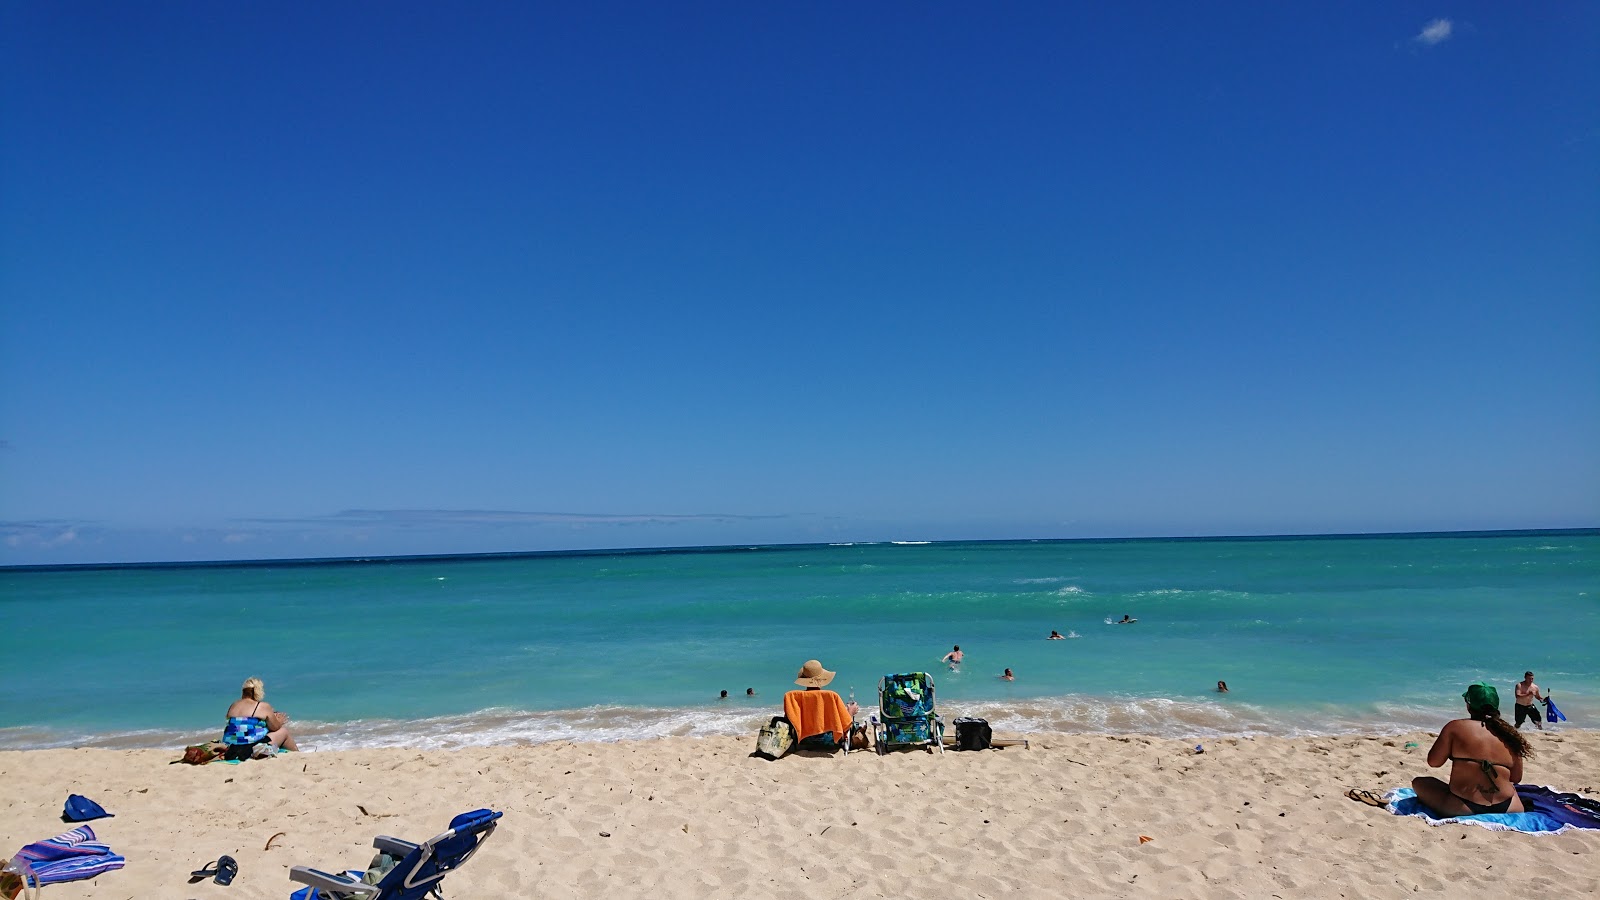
686,817
1155,718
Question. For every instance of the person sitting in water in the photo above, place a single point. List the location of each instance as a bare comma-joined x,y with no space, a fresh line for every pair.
1008,676
1222,687
1056,635
821,718
1126,620
1485,754
252,721
749,692
724,696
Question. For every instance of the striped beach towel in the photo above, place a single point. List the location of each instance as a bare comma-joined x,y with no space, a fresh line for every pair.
66,857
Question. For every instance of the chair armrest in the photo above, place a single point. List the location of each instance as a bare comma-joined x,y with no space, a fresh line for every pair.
392,845
329,882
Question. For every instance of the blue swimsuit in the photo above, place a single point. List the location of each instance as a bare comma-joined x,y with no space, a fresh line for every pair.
243,731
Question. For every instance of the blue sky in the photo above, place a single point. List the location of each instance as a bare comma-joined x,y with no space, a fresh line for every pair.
396,278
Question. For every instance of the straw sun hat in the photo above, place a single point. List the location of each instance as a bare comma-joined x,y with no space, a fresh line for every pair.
812,674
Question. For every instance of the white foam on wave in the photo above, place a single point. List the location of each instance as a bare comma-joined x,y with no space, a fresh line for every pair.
26,737
910,543
501,726
1069,590
1182,718
1189,719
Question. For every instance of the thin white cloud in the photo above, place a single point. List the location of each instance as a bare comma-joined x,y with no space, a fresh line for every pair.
1435,32
407,518
44,534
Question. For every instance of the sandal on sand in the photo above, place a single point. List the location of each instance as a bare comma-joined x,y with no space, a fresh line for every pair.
1367,797
201,874
226,870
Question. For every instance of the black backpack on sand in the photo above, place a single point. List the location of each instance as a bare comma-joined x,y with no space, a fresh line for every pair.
973,734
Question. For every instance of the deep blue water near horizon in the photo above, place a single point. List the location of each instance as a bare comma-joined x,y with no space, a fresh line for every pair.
1313,635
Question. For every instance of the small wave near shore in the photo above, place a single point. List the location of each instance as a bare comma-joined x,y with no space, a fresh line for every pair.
1071,714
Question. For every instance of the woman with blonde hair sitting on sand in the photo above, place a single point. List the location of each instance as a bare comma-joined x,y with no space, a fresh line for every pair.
1485,755
252,721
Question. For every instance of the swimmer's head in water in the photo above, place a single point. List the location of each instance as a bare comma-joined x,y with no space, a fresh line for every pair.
1481,698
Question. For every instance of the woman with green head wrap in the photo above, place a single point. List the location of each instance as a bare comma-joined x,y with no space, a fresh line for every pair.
1485,755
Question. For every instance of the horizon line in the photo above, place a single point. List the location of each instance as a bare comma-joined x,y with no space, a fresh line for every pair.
408,558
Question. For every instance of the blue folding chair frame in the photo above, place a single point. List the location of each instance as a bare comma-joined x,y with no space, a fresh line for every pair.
906,721
419,871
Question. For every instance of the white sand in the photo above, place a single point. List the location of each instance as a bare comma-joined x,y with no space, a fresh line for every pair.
694,818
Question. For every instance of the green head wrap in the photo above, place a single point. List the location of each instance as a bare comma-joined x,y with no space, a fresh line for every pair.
1482,697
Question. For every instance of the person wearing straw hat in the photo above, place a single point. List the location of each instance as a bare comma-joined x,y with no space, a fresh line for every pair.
820,717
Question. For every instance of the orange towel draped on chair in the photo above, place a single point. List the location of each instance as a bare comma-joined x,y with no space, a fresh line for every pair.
813,712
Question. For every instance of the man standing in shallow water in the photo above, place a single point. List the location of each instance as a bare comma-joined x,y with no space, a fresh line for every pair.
1527,695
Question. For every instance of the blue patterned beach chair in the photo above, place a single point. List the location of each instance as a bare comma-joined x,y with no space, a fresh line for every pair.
906,715
418,868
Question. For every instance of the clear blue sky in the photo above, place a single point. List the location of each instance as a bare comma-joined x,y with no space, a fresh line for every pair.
415,277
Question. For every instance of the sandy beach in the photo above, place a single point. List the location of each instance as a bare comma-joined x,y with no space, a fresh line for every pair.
698,817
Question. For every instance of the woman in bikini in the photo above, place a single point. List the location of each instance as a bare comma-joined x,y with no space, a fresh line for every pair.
252,721
1485,755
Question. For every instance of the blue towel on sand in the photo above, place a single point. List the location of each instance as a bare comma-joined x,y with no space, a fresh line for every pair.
67,857
1545,814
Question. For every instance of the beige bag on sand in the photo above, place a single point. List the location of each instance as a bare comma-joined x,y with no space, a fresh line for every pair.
776,738
14,882
858,738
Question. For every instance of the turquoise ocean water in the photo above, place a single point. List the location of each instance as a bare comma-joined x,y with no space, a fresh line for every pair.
1313,635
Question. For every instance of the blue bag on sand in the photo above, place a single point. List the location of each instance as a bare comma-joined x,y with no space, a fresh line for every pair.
1551,714
81,809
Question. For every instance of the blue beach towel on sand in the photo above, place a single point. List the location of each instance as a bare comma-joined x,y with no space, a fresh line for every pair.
68,856
1548,812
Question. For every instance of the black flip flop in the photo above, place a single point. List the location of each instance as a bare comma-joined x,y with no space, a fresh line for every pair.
202,874
1367,797
226,870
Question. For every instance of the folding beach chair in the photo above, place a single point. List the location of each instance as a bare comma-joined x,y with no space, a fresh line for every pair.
906,717
416,873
